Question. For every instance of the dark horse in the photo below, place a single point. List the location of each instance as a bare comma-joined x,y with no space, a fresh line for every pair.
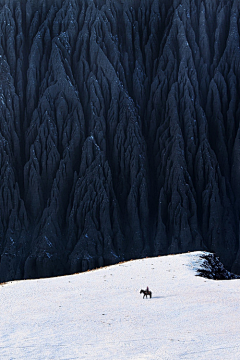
146,293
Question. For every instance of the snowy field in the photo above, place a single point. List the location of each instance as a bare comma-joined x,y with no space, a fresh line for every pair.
101,315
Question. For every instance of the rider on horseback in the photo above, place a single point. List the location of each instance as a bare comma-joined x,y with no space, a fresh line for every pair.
146,292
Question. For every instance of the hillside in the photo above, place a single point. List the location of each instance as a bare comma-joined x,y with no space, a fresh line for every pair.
101,315
119,132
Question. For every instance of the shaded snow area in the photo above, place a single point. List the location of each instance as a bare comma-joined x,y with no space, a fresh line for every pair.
100,314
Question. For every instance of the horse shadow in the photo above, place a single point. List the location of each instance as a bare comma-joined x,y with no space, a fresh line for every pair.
162,297
158,297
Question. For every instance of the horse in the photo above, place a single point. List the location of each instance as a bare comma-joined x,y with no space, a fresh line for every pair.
146,293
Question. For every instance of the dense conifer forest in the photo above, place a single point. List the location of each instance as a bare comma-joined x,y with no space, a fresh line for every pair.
119,132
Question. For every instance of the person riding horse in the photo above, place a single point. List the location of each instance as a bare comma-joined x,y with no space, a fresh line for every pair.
146,292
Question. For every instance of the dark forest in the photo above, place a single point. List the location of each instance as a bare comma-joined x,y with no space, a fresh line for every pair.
119,132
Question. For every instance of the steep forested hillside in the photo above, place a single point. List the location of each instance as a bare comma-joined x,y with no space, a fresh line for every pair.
119,132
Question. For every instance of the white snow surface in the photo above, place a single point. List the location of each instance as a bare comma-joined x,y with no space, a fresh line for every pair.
100,314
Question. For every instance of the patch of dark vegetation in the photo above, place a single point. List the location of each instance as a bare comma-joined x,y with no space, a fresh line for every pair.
212,268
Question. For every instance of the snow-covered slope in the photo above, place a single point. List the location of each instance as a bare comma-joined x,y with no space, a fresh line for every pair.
101,315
